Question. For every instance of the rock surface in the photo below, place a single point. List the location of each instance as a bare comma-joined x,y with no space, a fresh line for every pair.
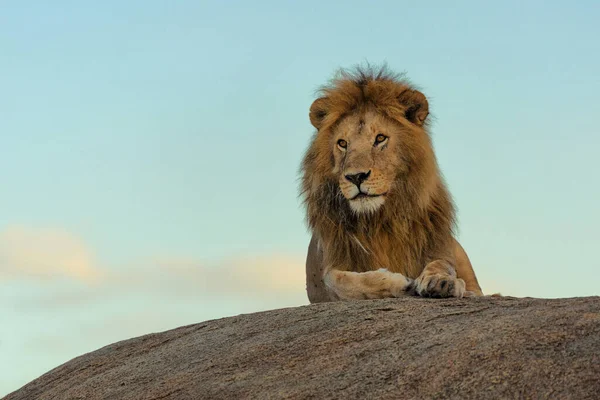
482,348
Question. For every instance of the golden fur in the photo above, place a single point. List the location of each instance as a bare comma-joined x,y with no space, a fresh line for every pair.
381,216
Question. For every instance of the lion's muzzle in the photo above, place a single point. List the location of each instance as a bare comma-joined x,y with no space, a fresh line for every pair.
358,177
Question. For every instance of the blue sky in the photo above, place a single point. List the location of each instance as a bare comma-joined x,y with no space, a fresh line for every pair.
151,151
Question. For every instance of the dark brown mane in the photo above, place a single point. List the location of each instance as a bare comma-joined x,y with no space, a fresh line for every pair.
418,218
360,87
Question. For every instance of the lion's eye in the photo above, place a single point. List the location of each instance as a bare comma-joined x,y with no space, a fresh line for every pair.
380,138
342,143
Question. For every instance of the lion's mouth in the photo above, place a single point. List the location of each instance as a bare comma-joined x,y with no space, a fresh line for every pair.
362,195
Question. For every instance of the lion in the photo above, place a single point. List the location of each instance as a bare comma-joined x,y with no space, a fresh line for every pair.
380,213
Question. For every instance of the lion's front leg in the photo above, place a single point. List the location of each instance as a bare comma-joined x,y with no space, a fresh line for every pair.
348,285
439,279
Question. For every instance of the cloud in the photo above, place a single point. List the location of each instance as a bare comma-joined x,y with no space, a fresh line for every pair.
54,253
37,260
273,273
272,279
45,253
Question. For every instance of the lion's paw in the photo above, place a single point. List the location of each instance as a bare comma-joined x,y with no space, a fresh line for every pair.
439,286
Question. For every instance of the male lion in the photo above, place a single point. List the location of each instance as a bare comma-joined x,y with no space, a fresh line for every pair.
381,216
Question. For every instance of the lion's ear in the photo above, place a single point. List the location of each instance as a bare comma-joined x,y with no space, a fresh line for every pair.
417,107
318,112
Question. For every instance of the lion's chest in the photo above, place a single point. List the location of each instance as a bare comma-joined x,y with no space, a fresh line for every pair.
383,251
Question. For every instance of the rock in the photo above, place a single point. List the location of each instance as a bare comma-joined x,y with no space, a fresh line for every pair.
481,348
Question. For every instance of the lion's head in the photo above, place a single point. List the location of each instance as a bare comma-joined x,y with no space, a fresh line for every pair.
371,153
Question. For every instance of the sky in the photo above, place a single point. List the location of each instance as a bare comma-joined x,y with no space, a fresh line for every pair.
149,172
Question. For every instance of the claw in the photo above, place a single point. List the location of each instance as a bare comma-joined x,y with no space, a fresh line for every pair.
439,286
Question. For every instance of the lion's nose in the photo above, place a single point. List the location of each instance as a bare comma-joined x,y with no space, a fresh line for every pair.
358,178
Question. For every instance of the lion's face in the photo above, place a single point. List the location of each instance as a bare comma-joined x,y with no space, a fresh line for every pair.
372,144
368,157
